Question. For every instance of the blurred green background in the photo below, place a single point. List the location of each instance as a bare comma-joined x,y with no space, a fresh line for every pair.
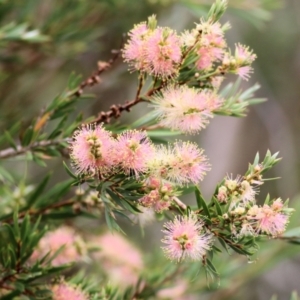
42,42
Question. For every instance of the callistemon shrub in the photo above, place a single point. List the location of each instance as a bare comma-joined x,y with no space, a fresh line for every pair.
71,240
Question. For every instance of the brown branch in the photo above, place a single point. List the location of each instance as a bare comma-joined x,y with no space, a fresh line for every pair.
116,109
11,152
94,78
40,211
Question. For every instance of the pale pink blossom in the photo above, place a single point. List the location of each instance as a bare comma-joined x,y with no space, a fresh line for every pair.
134,51
212,34
90,149
185,238
243,58
244,72
163,52
156,51
269,220
185,109
207,56
180,163
132,151
65,240
121,261
211,45
188,164
243,55
66,291
277,205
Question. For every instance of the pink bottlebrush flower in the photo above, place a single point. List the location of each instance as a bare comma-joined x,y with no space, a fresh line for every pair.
271,222
185,238
212,34
267,220
205,60
243,58
90,149
188,164
180,163
119,258
65,291
277,205
211,45
158,167
207,56
185,109
134,51
132,151
243,55
156,51
244,72
70,245
163,52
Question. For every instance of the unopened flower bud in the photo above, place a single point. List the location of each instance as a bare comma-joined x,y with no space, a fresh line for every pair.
239,210
257,168
231,184
225,216
164,189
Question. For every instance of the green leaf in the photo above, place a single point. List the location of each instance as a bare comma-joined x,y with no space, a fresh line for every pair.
37,159
110,221
211,267
223,244
54,194
58,129
201,202
162,133
122,202
69,171
149,117
74,81
38,191
218,207
10,140
5,175
27,137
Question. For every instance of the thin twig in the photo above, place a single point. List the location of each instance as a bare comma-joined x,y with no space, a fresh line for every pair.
94,78
11,152
116,109
179,203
